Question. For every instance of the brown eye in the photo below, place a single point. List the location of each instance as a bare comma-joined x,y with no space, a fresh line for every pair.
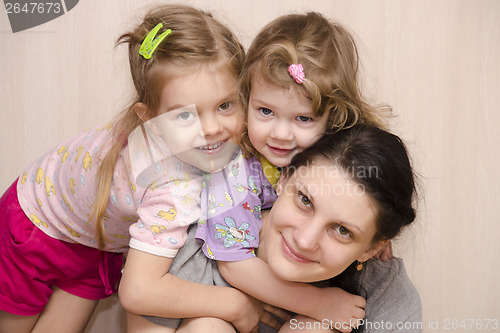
343,231
225,106
304,199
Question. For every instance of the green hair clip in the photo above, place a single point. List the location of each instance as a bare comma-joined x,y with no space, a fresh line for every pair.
149,45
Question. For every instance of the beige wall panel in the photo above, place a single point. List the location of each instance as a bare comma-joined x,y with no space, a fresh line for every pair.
437,63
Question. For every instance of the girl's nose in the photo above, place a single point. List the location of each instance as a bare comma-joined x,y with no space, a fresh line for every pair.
282,131
211,126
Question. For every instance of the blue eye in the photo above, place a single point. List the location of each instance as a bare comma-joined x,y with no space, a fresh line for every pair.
185,116
266,111
304,118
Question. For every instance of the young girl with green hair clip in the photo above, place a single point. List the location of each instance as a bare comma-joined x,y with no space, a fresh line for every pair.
68,219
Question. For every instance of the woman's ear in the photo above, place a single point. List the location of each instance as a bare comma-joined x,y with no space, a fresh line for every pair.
373,250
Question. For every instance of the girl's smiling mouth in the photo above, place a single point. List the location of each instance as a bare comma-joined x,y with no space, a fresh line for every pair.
212,148
280,151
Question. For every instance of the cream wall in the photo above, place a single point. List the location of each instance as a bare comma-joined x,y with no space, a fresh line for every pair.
436,62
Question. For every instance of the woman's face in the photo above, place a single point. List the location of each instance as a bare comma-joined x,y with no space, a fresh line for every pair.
320,224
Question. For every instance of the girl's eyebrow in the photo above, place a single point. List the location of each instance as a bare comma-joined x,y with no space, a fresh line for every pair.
175,107
259,101
227,98
230,97
271,106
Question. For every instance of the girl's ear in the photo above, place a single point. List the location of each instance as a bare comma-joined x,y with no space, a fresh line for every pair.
144,114
142,111
373,250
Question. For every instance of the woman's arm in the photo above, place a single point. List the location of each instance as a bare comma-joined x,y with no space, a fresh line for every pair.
147,288
254,277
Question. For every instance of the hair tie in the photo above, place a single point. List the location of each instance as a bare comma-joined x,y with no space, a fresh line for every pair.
149,45
297,72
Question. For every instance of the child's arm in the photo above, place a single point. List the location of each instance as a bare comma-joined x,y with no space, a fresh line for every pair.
254,277
147,288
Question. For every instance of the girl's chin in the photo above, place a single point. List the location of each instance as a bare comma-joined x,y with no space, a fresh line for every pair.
279,161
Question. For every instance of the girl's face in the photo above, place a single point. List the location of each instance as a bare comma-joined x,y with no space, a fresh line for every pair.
281,122
320,224
199,116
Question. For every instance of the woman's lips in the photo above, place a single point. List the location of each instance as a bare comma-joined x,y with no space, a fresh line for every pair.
292,254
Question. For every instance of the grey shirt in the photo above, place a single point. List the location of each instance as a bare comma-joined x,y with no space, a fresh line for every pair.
392,302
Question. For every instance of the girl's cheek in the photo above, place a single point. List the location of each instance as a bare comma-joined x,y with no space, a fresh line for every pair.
239,127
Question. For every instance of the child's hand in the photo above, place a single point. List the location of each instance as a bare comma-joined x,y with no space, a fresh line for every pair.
342,310
386,252
252,311
247,314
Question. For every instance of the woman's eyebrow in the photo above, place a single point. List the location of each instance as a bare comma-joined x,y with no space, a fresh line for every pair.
305,188
352,226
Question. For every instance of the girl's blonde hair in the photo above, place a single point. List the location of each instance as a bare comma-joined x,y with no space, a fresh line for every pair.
329,56
197,38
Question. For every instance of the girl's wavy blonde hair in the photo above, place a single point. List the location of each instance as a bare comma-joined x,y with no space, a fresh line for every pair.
197,38
329,56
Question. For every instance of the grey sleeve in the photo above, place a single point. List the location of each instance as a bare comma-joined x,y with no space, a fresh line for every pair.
393,303
191,264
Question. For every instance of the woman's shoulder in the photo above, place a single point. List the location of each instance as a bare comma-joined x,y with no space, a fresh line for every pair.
378,275
390,295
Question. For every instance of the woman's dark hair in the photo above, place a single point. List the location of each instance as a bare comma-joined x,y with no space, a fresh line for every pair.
376,160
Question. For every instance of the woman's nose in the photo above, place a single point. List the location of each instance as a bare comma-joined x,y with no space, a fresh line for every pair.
307,237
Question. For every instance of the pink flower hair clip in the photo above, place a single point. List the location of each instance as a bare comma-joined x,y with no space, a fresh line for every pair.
297,72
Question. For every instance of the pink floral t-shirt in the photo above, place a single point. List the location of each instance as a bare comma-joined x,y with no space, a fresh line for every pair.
150,214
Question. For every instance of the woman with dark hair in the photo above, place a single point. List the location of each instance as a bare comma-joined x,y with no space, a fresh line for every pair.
339,202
